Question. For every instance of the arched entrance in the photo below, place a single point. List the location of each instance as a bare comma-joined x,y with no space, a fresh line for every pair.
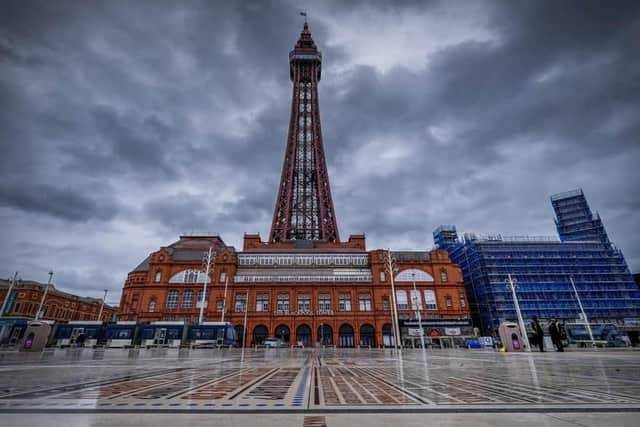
325,335
239,333
367,335
387,335
283,332
345,335
260,333
303,335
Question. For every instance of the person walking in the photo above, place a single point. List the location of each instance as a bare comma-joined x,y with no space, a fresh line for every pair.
538,332
556,334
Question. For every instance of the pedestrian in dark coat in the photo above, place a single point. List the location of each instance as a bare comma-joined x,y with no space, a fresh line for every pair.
556,334
538,332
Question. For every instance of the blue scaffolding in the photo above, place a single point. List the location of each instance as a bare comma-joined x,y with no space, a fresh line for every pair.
543,267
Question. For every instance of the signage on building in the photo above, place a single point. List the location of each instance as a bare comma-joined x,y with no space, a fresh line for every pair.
415,332
434,333
437,323
452,331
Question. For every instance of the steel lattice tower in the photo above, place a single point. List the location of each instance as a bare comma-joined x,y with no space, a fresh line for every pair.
304,208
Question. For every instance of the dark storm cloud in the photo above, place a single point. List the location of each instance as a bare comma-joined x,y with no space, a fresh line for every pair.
125,123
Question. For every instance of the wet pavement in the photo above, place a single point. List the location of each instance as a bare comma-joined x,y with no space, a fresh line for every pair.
319,386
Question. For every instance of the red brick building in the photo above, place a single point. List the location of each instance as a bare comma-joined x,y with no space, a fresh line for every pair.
308,291
304,285
58,305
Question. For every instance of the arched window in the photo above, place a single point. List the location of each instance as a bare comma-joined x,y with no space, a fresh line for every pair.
430,299
401,297
158,277
172,299
190,276
413,274
152,306
187,298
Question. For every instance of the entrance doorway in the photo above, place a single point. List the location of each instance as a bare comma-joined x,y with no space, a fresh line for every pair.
260,333
325,335
367,335
345,336
283,332
303,335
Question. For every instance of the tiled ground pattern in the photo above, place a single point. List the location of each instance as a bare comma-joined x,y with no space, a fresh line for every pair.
316,380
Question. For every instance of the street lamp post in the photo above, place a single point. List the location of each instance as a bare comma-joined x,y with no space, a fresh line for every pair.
224,297
6,297
417,303
512,283
44,296
207,261
394,310
584,315
244,327
102,305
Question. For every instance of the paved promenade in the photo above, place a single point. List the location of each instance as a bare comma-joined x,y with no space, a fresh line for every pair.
318,387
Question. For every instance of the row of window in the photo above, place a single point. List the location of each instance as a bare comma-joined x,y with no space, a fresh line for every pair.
303,303
344,275
303,259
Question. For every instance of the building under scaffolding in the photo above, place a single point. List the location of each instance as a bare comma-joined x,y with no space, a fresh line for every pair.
543,267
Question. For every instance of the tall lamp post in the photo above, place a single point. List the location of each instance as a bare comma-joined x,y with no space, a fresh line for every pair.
207,261
511,284
102,305
6,297
390,267
417,301
224,296
39,313
584,315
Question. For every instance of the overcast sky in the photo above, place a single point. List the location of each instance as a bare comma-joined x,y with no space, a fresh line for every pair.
126,123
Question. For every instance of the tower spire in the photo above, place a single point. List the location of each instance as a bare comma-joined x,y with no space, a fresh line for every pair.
304,207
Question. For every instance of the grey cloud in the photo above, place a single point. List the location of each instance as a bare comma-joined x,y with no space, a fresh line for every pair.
146,119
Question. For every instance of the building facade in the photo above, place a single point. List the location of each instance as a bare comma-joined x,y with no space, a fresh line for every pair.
304,285
25,298
544,267
300,291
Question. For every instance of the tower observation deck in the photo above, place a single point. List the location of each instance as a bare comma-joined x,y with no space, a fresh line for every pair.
304,207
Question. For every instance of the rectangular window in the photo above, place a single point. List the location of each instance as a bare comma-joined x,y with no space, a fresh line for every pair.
383,277
365,302
304,303
463,302
219,305
324,302
344,302
401,300
187,298
449,301
241,303
385,304
283,303
172,299
262,302
443,276
430,299
223,277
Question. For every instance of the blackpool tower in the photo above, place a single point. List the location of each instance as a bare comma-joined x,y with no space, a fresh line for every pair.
304,208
